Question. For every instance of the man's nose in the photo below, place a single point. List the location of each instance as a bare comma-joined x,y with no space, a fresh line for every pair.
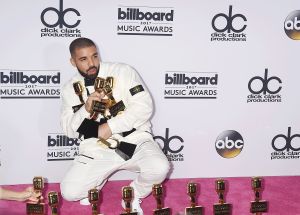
91,63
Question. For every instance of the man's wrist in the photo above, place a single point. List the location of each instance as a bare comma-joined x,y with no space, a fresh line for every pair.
104,131
86,108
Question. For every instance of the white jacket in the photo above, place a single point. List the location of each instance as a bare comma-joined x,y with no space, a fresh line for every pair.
138,107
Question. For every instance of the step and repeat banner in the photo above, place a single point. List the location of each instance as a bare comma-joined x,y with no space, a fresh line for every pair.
224,76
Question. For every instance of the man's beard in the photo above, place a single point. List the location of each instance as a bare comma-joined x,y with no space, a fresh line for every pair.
87,76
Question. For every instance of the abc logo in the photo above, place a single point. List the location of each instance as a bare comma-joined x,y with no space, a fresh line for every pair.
60,16
229,144
262,84
229,22
292,25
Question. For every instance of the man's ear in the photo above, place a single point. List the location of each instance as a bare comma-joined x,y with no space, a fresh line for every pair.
72,62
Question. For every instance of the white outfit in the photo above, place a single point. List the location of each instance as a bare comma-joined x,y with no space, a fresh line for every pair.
95,164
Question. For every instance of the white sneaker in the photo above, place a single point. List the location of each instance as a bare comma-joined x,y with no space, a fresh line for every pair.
135,206
85,201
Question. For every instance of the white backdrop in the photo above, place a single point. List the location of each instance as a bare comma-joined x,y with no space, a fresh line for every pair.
168,51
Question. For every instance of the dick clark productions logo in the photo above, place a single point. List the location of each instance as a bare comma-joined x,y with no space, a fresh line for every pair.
61,17
264,88
173,153
286,146
233,28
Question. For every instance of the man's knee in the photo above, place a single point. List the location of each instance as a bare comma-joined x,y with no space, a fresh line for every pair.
163,167
160,167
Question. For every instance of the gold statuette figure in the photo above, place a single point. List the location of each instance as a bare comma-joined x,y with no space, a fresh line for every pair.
53,202
93,196
78,90
127,195
157,192
221,208
192,192
38,208
258,206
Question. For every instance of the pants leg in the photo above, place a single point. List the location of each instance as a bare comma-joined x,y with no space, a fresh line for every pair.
87,173
153,167
92,170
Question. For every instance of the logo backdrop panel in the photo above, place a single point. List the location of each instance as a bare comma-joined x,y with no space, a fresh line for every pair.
224,78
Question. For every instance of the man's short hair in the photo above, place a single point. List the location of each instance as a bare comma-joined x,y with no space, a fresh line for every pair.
80,43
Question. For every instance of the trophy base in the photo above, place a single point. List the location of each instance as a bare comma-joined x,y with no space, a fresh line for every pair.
35,209
54,211
129,213
197,210
259,206
222,209
163,211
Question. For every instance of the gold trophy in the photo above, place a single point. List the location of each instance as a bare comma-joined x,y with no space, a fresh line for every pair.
99,84
157,192
93,196
109,84
97,107
192,192
109,106
114,107
127,195
110,81
53,202
258,206
102,106
38,208
221,208
78,90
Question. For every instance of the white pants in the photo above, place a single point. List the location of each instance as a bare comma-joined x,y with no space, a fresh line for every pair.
96,164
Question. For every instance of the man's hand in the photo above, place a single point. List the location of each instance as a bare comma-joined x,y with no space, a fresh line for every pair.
94,96
104,131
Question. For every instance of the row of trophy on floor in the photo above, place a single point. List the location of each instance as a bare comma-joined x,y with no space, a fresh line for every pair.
257,206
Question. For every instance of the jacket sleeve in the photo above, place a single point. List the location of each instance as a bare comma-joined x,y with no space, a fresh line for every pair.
71,121
139,105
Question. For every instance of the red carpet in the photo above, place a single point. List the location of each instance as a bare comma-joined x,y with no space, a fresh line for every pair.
282,193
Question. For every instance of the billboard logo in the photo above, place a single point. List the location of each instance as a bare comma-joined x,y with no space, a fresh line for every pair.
136,14
190,85
59,20
229,144
29,84
292,25
62,140
61,147
172,152
233,28
21,78
145,21
264,89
